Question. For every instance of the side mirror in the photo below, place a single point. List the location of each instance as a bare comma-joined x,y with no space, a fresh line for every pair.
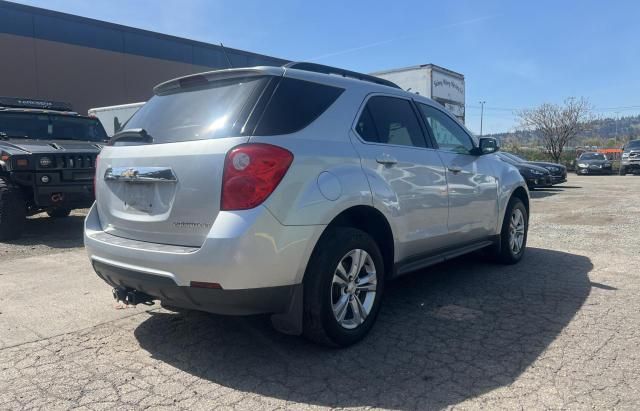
488,145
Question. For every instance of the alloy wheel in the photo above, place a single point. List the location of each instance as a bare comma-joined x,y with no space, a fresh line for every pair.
353,289
516,231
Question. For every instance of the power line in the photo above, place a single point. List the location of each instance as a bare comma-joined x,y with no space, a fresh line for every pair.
620,108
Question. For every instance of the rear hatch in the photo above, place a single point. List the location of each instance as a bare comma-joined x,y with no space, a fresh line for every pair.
168,190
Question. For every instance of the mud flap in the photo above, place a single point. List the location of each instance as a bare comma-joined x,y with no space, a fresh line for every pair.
290,321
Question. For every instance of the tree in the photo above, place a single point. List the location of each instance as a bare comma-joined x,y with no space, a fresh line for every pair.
557,124
611,143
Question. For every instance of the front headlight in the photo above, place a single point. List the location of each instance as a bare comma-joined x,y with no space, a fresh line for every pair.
536,172
585,165
625,155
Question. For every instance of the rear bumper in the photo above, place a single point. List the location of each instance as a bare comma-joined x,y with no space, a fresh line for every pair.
255,260
228,302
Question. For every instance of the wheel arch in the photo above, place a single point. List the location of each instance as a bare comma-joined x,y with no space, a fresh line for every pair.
521,194
371,221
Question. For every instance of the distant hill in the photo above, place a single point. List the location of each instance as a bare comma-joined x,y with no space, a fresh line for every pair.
601,132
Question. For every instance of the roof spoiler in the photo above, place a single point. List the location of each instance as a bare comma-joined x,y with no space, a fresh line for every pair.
15,102
321,68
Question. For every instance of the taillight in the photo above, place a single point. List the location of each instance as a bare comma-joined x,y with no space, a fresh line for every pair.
251,173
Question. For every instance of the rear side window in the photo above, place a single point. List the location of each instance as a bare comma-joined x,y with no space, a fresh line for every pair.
294,105
390,120
199,110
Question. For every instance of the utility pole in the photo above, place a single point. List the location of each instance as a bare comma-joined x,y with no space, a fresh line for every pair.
617,115
481,115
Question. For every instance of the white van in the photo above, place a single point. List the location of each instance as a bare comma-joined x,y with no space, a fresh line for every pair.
114,117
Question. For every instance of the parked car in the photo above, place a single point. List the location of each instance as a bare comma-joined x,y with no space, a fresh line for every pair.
558,171
47,161
630,161
296,192
535,176
593,163
113,118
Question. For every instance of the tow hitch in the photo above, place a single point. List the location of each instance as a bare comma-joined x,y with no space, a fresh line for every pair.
132,297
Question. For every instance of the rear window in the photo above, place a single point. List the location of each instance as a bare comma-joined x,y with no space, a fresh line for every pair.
294,105
201,111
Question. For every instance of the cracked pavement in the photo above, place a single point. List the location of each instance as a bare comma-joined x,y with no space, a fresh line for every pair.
560,330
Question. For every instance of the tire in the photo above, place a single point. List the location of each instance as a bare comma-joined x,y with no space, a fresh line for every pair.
623,171
322,293
12,211
506,253
59,213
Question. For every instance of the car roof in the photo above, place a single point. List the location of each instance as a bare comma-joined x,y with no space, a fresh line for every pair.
42,111
333,79
363,84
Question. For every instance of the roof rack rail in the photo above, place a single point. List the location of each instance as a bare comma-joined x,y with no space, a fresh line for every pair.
14,102
321,68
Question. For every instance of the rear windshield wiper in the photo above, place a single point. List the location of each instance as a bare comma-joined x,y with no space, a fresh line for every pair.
134,135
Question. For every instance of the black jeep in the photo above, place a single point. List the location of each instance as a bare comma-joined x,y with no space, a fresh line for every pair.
47,160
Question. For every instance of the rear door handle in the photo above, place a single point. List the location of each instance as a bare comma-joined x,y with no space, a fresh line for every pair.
386,159
454,169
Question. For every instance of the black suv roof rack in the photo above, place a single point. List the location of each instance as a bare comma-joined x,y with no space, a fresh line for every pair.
321,68
14,102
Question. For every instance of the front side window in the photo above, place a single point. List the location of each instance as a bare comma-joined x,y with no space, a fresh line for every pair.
390,120
447,133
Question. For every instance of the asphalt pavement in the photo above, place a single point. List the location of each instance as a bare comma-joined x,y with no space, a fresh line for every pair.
560,330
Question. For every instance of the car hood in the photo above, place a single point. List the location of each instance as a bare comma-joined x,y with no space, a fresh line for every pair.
27,146
529,167
545,164
594,162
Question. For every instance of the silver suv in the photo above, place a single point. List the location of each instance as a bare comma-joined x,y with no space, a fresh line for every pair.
297,191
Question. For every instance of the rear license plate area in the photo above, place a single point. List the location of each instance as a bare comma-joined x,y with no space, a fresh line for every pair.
138,197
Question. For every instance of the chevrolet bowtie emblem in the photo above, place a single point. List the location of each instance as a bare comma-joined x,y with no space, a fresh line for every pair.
130,173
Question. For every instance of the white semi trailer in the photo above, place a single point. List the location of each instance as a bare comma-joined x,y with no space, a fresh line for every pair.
114,117
438,83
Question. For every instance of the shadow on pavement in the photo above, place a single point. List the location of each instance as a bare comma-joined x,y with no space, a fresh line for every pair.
52,232
444,335
545,192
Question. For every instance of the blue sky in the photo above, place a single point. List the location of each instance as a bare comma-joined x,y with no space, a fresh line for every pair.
513,54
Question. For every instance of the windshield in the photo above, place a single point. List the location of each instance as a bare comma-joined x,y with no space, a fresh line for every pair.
197,113
51,127
592,156
633,145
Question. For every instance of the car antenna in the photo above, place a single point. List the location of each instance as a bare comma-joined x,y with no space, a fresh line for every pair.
226,55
